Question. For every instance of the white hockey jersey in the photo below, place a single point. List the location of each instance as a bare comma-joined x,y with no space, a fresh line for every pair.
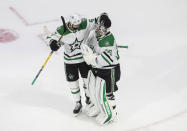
72,40
106,50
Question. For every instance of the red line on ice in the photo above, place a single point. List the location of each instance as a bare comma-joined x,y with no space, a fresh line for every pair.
26,23
160,121
19,16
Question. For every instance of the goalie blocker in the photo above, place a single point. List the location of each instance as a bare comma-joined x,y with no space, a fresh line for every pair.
101,85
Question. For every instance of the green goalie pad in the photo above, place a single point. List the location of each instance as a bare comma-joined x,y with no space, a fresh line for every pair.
105,107
97,92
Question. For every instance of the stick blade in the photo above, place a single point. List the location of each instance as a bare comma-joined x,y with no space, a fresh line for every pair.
46,31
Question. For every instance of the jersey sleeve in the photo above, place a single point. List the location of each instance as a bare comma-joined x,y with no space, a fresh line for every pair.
108,57
90,39
91,25
56,34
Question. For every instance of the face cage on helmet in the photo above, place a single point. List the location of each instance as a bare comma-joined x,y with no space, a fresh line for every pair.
101,31
73,26
72,23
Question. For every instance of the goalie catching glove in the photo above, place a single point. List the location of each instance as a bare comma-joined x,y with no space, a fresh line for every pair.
88,55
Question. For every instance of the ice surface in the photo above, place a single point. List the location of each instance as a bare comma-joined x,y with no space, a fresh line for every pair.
152,92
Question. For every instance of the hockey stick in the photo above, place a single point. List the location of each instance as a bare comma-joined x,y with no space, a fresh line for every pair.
51,51
123,46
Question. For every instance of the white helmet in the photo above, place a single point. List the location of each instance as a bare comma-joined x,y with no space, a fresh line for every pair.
75,19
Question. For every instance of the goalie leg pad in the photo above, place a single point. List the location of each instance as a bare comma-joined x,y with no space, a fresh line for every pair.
105,107
92,94
93,111
100,103
91,86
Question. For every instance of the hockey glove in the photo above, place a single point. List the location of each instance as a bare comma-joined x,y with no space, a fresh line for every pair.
54,45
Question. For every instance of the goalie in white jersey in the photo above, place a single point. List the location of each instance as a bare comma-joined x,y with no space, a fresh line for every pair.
78,29
100,51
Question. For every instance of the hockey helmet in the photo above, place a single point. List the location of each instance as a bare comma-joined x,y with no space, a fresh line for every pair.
104,20
104,24
75,20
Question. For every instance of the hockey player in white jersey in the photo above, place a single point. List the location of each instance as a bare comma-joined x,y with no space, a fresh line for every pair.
78,29
100,51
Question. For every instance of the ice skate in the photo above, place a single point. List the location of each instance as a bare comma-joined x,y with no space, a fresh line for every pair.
87,101
78,108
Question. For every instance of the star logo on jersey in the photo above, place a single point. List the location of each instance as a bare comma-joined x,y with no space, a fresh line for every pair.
76,45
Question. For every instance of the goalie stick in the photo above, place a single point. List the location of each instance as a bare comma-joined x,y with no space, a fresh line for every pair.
123,46
51,51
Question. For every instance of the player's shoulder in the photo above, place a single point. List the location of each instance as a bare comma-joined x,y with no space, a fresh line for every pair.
60,29
107,41
83,24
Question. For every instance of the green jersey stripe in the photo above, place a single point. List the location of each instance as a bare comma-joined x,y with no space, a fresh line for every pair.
69,59
76,92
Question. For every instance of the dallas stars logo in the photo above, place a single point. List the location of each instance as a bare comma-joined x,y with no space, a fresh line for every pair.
75,45
71,76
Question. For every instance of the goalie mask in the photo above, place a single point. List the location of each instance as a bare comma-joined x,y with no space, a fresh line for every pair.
75,21
104,23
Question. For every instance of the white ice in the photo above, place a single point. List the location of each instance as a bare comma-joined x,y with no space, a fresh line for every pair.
152,92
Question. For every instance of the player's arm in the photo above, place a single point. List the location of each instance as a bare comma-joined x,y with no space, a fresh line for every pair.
90,39
92,23
90,26
53,38
106,59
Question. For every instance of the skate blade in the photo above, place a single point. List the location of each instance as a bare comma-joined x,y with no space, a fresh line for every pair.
75,115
